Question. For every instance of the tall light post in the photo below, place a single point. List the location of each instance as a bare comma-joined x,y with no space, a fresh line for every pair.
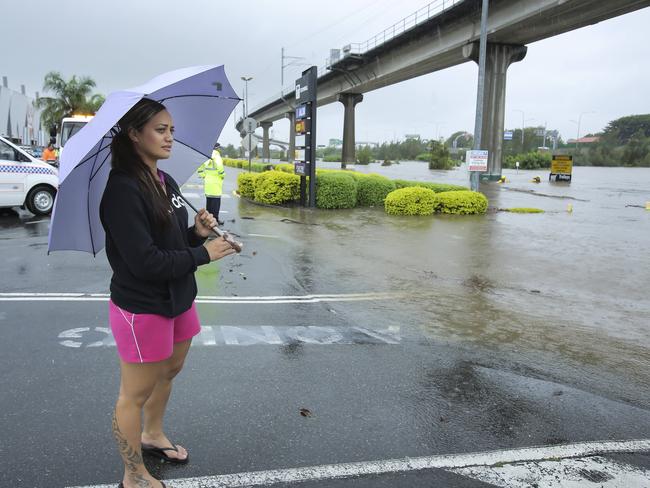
283,57
250,150
523,126
578,122
246,80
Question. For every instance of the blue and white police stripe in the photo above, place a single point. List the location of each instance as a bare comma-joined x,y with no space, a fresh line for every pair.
25,169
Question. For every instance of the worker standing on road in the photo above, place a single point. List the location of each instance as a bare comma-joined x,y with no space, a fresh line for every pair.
49,153
212,172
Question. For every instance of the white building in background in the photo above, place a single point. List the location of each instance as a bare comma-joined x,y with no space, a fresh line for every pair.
19,120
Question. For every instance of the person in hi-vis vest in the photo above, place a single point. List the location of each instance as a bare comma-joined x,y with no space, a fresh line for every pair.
213,173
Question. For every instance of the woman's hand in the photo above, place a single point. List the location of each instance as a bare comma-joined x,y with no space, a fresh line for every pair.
218,248
203,223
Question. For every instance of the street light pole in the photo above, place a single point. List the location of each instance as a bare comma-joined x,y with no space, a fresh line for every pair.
580,120
283,57
250,150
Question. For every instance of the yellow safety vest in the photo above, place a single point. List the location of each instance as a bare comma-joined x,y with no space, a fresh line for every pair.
213,173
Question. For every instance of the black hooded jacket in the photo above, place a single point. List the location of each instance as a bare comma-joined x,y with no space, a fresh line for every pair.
153,268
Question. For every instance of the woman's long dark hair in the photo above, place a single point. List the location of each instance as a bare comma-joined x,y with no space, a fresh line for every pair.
125,157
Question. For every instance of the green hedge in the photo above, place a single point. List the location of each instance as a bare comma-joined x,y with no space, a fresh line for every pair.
410,201
276,187
347,189
335,191
523,210
461,202
436,187
372,190
284,167
243,164
246,184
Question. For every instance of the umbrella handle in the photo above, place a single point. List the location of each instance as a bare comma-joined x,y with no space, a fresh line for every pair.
237,246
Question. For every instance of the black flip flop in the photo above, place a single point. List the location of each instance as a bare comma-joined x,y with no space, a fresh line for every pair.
159,452
121,485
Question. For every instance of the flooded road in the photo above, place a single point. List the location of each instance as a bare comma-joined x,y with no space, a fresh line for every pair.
567,289
404,336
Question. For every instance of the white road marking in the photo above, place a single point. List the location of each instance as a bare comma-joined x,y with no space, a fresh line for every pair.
37,222
249,335
564,473
448,462
264,235
279,299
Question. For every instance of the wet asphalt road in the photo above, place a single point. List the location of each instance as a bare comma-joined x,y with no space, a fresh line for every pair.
466,352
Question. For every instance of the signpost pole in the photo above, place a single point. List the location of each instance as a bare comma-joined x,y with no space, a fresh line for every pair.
305,165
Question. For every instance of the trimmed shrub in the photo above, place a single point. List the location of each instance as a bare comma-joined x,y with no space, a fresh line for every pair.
276,187
335,190
410,201
284,167
246,184
461,202
372,190
523,210
436,187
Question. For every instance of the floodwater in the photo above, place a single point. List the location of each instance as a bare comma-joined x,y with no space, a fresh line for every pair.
566,291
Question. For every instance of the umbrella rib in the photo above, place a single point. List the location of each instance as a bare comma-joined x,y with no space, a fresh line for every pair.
197,95
92,176
193,148
94,154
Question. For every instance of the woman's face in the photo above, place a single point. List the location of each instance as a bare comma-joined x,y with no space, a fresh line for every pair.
155,139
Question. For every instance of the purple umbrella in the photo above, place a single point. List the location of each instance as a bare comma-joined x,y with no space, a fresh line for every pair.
199,99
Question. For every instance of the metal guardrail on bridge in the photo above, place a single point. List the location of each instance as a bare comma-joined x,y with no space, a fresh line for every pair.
408,23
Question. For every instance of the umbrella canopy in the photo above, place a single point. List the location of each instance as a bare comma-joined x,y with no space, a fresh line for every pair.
200,100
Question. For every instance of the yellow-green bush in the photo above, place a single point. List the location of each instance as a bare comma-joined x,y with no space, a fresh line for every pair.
523,210
436,187
372,190
285,167
461,202
410,201
276,187
335,190
246,184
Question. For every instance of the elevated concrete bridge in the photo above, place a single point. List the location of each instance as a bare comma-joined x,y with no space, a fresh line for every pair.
441,35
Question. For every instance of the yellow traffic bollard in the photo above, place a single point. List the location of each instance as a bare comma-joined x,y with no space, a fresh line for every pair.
569,208
647,205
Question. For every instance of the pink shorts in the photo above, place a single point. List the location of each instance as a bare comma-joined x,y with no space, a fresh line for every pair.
147,338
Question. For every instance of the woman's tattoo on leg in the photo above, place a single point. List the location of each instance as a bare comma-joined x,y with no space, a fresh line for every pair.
132,458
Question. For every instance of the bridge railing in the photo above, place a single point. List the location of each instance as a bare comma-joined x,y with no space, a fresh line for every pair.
420,16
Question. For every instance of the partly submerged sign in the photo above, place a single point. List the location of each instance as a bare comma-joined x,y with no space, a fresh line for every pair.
561,167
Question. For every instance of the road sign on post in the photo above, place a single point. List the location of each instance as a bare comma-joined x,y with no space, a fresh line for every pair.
250,124
305,156
477,160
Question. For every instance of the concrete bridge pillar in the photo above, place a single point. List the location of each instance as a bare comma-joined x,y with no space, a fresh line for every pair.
266,147
291,153
499,58
349,101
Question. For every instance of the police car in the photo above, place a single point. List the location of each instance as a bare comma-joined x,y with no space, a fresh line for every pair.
26,181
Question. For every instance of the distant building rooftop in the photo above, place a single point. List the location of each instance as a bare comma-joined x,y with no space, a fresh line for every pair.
584,140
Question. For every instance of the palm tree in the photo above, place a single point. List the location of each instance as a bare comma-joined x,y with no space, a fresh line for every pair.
69,97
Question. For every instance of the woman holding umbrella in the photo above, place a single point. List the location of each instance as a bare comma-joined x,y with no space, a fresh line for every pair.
153,256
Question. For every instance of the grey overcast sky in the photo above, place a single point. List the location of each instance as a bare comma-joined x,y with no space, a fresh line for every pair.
602,68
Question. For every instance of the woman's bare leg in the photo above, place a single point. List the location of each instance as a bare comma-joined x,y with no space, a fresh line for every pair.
154,408
138,381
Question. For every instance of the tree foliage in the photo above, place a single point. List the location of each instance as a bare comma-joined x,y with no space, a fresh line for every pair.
68,97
